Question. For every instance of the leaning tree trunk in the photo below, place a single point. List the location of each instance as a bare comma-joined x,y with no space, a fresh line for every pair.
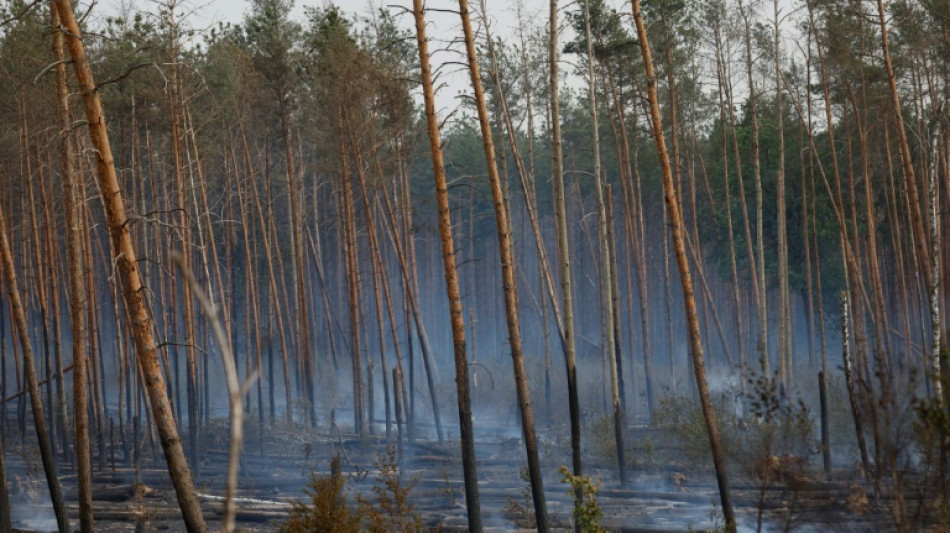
466,431
132,286
692,318
18,316
509,279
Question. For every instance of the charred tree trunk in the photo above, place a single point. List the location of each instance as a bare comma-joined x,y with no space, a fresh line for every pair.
676,221
564,253
466,431
509,278
18,317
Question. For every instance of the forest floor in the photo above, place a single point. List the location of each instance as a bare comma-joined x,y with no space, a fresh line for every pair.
667,497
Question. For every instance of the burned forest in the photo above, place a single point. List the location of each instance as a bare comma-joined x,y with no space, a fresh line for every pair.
601,265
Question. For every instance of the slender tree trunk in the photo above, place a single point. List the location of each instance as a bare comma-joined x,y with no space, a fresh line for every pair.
378,276
77,296
917,219
785,320
272,279
406,264
605,271
353,286
692,318
5,525
18,317
763,342
720,76
296,221
564,253
849,382
509,278
466,430
127,267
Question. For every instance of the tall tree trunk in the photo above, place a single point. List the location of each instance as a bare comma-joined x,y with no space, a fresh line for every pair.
763,342
605,272
296,243
785,320
77,296
473,508
18,316
564,252
353,285
721,78
921,239
378,277
133,289
508,276
692,318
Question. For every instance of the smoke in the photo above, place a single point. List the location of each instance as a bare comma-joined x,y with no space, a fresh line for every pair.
33,518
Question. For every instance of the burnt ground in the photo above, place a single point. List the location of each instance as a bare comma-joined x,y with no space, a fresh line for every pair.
669,496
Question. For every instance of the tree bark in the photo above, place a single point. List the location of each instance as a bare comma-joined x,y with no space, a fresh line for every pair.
127,267
473,508
509,279
77,295
692,318
18,317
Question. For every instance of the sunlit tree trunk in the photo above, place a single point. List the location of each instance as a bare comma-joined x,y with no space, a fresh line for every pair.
473,507
133,290
676,223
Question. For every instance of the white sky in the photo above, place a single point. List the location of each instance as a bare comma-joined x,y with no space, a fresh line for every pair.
442,26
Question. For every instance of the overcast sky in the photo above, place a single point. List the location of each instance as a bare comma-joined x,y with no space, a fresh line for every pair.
442,26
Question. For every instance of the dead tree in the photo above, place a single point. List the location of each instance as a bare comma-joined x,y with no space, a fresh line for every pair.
451,279
77,295
127,267
679,246
508,276
564,253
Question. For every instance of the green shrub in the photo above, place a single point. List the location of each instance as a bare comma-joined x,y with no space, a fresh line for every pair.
588,514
